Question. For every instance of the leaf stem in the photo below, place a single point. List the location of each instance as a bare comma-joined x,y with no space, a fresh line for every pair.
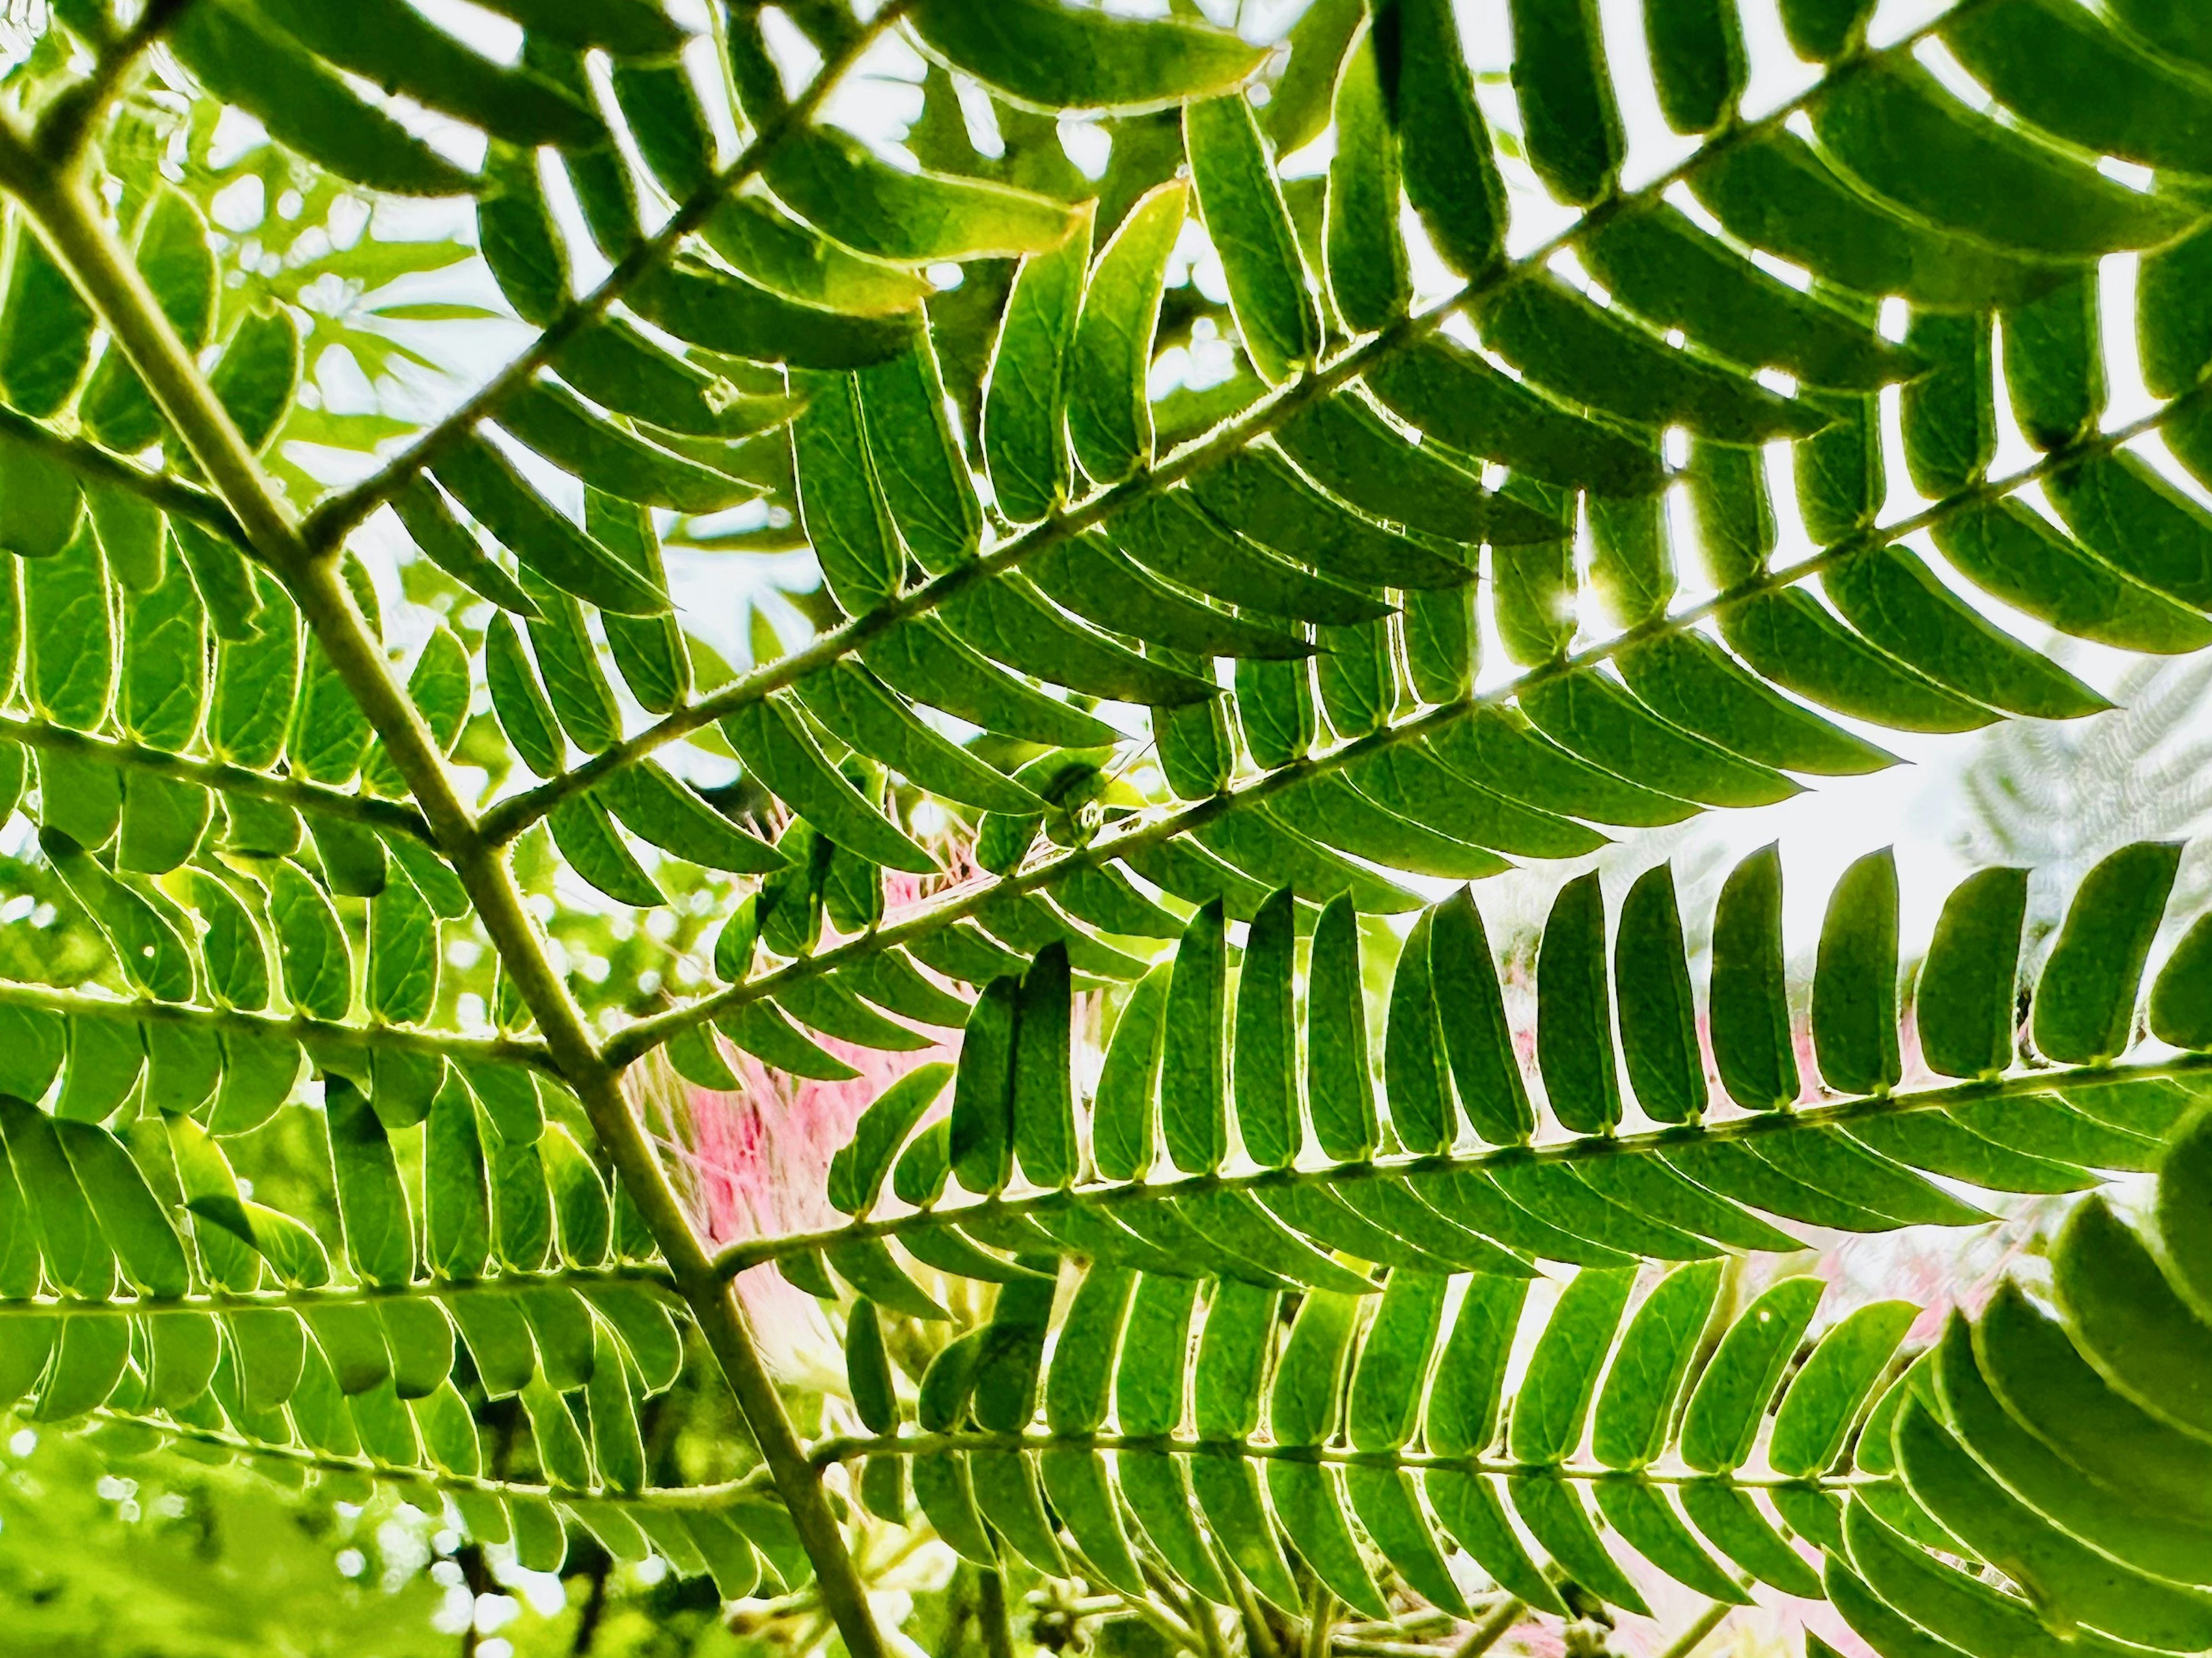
1694,1637
98,465
1491,1629
991,1614
318,1036
845,1448
123,755
657,1497
752,1252
1322,1608
654,1279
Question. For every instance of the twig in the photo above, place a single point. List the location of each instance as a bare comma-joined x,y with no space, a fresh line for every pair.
62,133
991,1613
1321,1621
1491,1629
1693,1637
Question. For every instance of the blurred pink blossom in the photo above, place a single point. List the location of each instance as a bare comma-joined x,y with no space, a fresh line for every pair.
754,1161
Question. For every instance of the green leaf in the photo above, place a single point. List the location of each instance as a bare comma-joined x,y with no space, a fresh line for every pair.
518,701
1193,1112
379,1230
1752,1044
1571,127
547,543
1043,1108
1562,341
837,183
148,947
557,425
1052,56
1026,391
919,464
456,1208
2085,1006
858,1171
1854,982
242,58
69,634
1109,419
773,738
311,946
129,1215
45,332
1250,229
1698,61
1824,1396
402,953
1636,1410
1343,444
983,1095
1452,176
1473,1018
1553,1403
1722,1417
432,526
664,811
1367,269
1658,1016
725,312
1902,137
1965,1004
1574,1029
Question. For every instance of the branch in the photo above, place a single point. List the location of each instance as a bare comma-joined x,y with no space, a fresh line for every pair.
654,1279
1706,1622
89,461
125,755
846,1448
309,1033
752,1252
67,124
512,815
1491,1629
337,518
635,1041
653,1497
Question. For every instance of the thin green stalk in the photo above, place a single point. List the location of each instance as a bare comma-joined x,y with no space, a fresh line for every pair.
636,1040
1259,1635
654,1279
68,125
316,1036
430,1479
86,248
97,465
1694,1637
1170,1628
991,1615
1491,1629
1322,1608
845,1448
123,755
752,1252
511,817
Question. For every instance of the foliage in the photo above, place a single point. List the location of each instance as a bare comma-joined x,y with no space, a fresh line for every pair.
1212,571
